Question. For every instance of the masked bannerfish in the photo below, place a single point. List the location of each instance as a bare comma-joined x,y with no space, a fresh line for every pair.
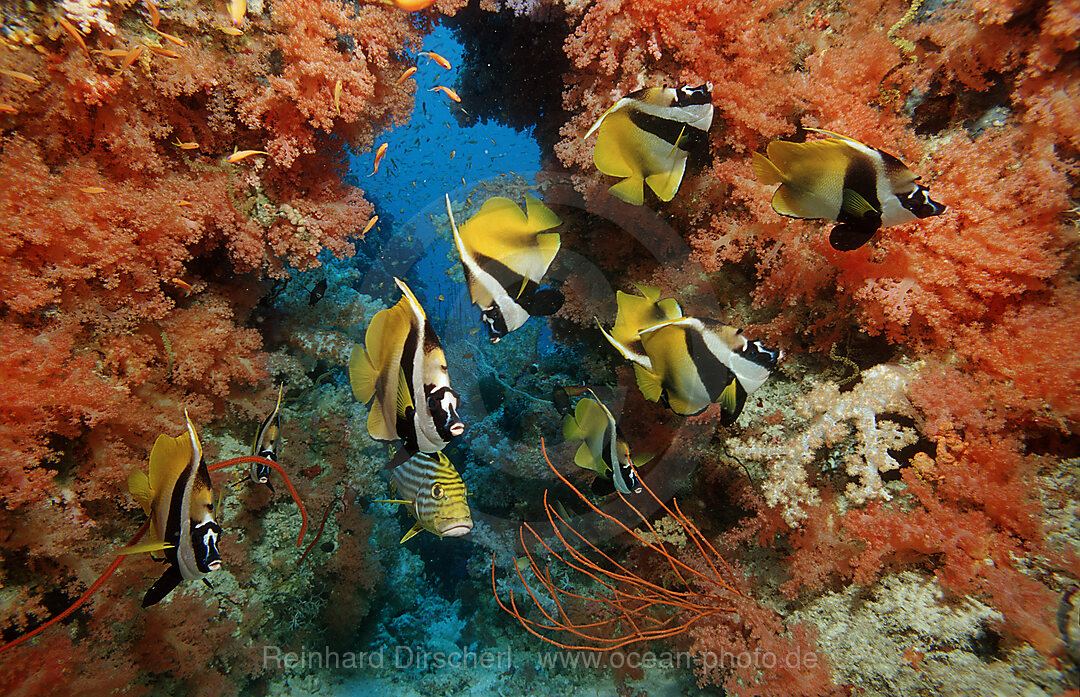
635,313
505,253
646,137
603,448
695,362
837,178
178,497
403,367
435,495
267,442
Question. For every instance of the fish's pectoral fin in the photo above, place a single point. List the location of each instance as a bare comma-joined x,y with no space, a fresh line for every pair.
404,399
731,402
846,237
856,205
362,374
155,546
766,172
631,190
642,459
162,587
649,383
398,501
413,531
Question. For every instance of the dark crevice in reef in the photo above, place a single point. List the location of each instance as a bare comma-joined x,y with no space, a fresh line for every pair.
513,70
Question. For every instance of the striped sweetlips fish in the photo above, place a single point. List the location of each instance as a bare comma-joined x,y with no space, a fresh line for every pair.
267,442
401,370
179,498
838,178
432,490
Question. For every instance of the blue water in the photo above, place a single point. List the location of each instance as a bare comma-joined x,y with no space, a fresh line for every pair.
433,154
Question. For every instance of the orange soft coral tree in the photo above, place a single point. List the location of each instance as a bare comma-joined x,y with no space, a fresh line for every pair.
132,252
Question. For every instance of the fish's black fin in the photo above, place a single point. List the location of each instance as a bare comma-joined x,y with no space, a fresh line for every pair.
544,302
208,584
602,486
399,457
846,237
162,587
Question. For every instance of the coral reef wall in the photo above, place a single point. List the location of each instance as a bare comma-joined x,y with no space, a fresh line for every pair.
132,253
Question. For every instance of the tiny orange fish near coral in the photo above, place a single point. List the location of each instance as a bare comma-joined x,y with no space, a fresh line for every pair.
379,154
20,76
437,58
405,76
414,5
370,224
182,285
92,189
449,92
244,154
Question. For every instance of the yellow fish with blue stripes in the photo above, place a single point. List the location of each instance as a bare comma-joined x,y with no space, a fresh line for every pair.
432,490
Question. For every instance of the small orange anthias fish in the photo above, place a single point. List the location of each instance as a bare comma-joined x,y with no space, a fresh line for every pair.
237,10
337,96
73,32
155,16
449,92
379,154
243,155
413,5
437,58
181,283
405,76
190,145
370,224
20,76
171,39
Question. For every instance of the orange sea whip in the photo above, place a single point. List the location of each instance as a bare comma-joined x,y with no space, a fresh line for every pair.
326,516
120,557
630,596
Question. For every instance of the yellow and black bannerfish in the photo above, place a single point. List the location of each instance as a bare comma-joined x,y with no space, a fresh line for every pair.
692,363
267,442
603,448
505,253
646,137
635,313
837,178
403,367
179,498
432,489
